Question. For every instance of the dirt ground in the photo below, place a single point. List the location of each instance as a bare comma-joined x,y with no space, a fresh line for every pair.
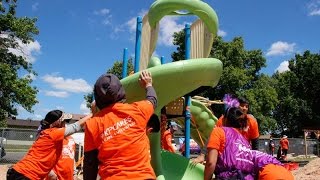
311,171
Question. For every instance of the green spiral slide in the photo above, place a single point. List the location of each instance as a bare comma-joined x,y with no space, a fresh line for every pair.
172,81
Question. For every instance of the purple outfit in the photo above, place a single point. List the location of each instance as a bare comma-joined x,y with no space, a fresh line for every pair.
238,160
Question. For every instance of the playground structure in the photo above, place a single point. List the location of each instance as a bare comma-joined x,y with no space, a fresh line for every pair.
175,80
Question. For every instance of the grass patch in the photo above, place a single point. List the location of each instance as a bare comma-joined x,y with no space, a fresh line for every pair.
16,148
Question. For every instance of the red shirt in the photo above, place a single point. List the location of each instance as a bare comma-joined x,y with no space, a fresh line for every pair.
284,143
119,134
43,154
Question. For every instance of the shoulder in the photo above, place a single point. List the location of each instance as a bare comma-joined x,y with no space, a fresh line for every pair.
251,117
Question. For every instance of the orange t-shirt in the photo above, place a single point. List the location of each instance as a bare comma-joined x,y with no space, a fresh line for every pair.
118,132
252,130
284,143
166,141
217,139
65,166
43,154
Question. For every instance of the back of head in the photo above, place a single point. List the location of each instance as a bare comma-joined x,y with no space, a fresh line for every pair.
234,118
108,90
51,117
154,123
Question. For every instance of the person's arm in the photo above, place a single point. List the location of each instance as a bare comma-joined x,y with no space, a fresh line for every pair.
152,96
210,164
145,81
75,127
91,161
90,165
253,132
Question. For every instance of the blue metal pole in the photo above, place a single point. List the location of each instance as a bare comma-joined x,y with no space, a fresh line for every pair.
138,44
162,59
188,98
125,63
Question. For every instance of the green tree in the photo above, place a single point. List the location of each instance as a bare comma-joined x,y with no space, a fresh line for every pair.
116,69
298,91
241,76
15,89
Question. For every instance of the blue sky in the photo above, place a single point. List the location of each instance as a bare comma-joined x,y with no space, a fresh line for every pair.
80,40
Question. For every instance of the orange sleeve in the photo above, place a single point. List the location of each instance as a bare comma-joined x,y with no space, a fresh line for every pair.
168,141
57,134
220,121
253,128
217,139
146,108
88,139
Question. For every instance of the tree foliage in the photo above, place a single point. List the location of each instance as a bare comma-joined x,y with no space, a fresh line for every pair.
241,76
15,89
298,91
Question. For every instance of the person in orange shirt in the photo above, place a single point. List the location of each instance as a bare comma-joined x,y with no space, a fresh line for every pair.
230,155
284,144
251,132
46,150
116,145
65,167
166,139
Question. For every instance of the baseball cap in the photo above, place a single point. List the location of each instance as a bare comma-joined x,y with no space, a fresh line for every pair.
54,115
108,90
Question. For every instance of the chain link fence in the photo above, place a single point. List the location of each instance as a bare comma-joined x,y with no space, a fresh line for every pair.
15,143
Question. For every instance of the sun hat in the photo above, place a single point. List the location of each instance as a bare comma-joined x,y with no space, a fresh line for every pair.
284,136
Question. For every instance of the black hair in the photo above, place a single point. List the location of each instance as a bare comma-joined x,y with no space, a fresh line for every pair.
154,123
234,119
243,100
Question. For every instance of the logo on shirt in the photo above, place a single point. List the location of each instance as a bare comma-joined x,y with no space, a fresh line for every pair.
118,128
68,149
244,153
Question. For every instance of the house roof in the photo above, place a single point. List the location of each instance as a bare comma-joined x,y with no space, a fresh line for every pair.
35,123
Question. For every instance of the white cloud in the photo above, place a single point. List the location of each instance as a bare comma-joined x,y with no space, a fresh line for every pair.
222,33
314,8
38,116
69,85
84,108
60,94
281,48
132,23
284,66
168,25
35,6
28,51
60,107
102,12
105,14
107,20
